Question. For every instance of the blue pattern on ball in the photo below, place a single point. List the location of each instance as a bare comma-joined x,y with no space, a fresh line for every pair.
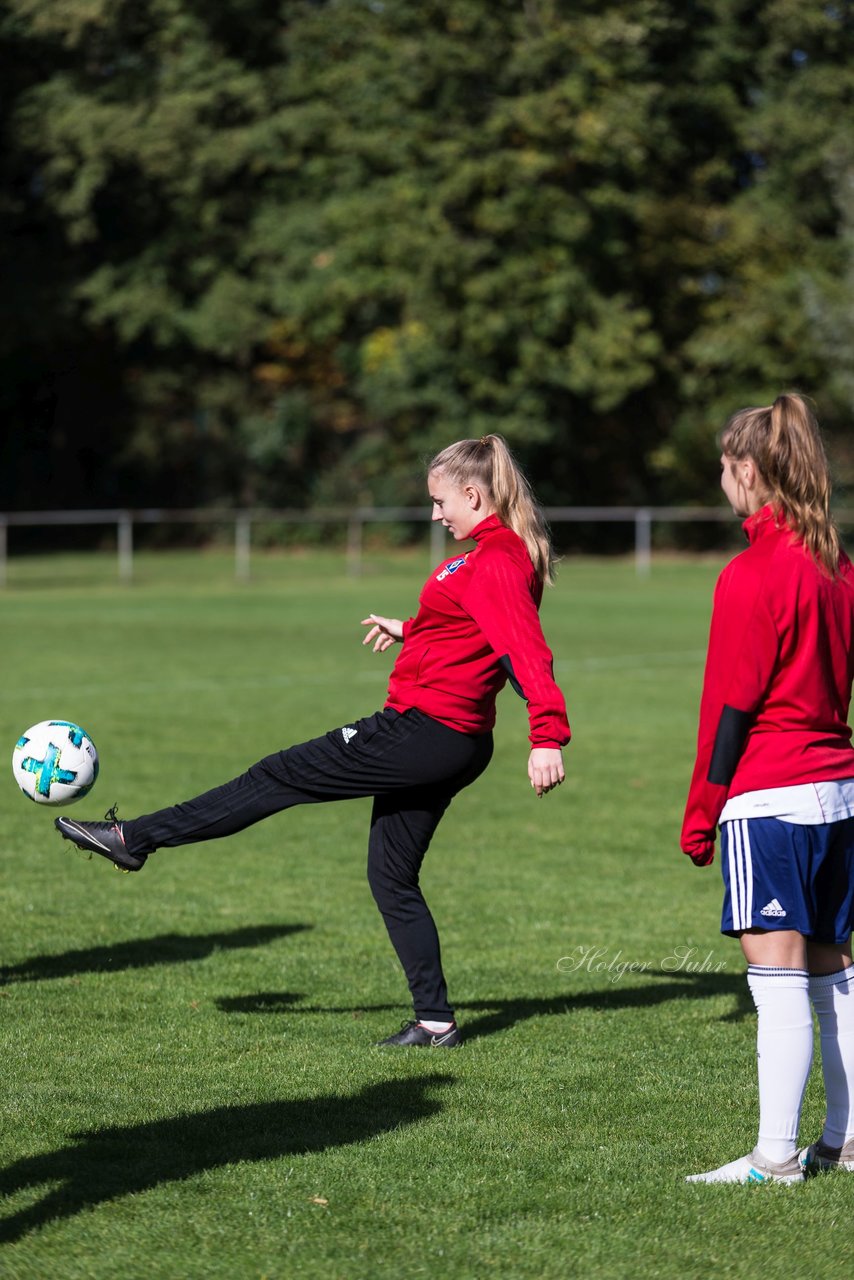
75,735
47,771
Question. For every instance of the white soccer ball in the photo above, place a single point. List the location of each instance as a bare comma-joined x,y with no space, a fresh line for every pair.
55,762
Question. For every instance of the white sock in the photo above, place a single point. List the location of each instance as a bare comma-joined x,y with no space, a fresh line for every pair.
784,1053
435,1027
832,995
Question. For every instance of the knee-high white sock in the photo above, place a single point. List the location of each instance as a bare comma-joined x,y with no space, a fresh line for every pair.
784,1052
832,995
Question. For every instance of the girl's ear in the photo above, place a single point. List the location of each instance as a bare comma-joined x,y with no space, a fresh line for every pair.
473,496
748,473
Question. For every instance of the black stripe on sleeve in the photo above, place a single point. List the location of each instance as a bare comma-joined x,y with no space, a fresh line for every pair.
733,728
508,667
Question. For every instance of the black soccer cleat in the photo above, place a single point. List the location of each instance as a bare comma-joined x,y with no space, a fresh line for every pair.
105,838
413,1034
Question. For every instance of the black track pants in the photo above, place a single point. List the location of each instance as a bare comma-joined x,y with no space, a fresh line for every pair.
412,765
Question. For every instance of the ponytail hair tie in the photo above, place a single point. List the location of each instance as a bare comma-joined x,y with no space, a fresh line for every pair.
484,440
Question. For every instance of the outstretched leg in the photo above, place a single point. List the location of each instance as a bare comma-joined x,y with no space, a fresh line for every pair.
382,754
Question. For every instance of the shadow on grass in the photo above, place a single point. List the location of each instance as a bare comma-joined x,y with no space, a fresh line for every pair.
498,1015
105,1164
142,953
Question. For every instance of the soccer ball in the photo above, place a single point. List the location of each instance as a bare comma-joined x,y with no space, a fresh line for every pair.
55,762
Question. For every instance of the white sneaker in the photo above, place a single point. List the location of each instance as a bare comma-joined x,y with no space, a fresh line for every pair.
753,1168
819,1157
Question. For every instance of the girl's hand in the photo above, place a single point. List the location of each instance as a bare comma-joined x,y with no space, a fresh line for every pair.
384,631
545,769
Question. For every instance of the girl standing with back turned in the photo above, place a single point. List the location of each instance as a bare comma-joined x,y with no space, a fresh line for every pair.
775,767
477,626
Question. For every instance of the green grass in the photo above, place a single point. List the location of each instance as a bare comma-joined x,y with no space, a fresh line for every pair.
190,1079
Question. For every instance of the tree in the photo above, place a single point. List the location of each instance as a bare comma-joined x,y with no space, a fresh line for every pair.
323,239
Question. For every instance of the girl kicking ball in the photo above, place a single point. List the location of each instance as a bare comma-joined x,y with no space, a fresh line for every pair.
477,627
775,767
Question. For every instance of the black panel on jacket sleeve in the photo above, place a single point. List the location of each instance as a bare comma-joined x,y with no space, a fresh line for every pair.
733,728
508,667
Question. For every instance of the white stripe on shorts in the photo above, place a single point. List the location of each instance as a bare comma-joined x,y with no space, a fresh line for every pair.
740,874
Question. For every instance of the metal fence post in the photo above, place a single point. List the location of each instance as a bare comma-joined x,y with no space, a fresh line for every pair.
354,545
242,546
643,542
125,544
437,542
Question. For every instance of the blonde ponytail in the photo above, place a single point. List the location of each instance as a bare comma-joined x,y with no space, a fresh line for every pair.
489,463
784,441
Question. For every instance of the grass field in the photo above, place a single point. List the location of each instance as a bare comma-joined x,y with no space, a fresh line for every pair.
190,1079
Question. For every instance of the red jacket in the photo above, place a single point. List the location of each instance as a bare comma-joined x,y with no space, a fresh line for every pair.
777,687
478,613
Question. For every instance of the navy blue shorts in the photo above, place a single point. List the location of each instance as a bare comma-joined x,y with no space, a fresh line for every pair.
782,875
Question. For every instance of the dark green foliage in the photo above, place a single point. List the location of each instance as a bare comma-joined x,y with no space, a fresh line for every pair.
313,242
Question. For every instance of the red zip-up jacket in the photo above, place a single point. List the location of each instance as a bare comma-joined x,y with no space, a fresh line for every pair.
774,710
478,625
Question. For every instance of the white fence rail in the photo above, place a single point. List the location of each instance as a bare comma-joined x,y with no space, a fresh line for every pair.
355,519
